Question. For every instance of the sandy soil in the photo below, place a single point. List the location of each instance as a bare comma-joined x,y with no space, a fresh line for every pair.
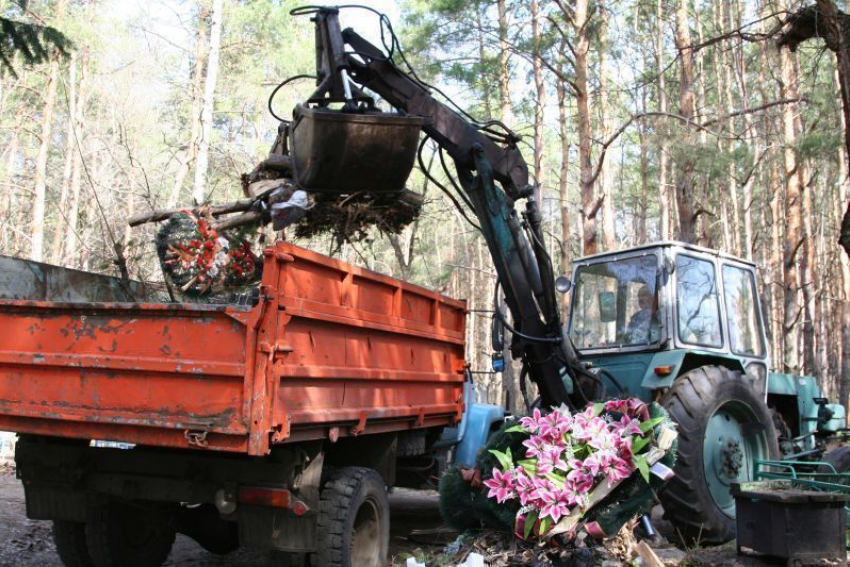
28,543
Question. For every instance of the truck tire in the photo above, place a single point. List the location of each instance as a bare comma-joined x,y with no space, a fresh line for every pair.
123,534
354,520
723,427
70,541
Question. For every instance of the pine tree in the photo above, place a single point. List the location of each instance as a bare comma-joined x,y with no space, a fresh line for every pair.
35,43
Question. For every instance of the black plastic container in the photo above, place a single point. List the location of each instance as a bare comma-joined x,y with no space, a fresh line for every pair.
778,519
342,152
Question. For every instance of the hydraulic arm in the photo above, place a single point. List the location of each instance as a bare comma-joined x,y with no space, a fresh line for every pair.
492,174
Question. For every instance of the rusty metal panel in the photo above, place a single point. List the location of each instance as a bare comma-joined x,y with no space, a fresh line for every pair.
328,347
25,279
357,348
148,366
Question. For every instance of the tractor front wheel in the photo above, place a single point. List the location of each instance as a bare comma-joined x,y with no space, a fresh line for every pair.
723,428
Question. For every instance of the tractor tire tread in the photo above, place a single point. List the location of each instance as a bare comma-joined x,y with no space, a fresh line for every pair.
686,499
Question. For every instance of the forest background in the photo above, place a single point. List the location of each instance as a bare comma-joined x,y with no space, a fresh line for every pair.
642,120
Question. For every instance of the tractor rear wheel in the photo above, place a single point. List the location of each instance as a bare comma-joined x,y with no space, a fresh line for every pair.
723,428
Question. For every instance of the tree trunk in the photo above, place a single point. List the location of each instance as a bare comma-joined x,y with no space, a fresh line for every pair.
589,204
776,206
539,103
793,241
9,186
842,279
686,197
606,176
191,152
663,193
70,146
724,81
72,241
752,129
40,193
563,194
509,375
482,58
199,192
808,271
504,66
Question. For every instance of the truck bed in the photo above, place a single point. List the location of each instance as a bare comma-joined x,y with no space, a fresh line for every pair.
329,350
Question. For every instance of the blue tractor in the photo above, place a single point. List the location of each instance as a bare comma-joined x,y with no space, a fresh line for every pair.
683,325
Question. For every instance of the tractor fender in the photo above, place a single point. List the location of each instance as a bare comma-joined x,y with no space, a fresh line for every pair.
668,365
481,419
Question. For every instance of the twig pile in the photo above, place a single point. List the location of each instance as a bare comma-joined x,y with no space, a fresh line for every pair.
349,217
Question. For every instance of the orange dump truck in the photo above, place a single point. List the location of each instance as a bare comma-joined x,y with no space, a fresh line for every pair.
276,425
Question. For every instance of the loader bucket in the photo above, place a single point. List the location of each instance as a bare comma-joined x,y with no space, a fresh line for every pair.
340,152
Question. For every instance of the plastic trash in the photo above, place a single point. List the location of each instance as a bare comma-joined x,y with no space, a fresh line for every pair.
473,560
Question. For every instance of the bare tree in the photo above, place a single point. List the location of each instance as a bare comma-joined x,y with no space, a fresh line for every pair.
190,154
199,193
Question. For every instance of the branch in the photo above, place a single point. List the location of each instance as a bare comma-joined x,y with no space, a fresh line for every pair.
737,33
753,110
594,210
698,125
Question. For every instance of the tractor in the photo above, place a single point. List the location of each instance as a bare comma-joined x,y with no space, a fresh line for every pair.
683,325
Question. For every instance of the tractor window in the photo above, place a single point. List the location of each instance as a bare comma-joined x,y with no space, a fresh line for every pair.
615,304
697,301
739,290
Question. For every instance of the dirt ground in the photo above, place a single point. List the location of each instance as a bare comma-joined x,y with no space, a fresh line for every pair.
28,543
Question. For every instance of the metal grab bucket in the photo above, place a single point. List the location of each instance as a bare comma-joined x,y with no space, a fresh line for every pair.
338,152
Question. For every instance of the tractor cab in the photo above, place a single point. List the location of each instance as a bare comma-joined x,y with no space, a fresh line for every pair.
650,313
683,325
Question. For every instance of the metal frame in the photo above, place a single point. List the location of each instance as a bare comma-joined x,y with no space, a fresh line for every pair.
811,480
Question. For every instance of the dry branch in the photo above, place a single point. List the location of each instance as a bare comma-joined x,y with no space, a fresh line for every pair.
214,210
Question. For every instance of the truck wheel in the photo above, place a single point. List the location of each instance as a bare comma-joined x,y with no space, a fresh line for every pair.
354,520
123,534
723,428
70,540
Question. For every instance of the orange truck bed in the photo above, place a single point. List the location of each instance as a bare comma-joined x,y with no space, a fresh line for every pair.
329,350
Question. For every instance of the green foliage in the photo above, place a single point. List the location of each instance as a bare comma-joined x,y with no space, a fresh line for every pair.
34,43
465,508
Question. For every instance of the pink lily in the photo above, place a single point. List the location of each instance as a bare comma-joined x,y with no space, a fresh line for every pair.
501,486
525,487
629,426
531,423
536,447
580,481
554,425
556,505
